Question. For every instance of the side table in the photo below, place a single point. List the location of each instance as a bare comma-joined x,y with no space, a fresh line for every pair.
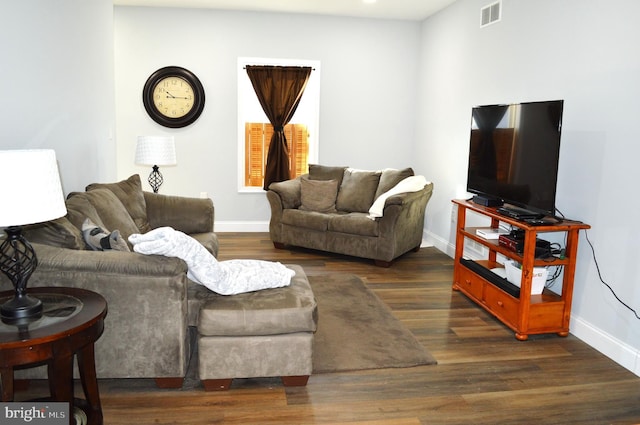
71,322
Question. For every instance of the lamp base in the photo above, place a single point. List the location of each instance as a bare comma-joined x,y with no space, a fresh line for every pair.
21,306
155,179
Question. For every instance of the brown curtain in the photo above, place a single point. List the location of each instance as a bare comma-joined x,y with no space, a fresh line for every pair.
279,90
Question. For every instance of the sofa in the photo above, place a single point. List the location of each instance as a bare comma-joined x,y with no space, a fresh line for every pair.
330,209
152,305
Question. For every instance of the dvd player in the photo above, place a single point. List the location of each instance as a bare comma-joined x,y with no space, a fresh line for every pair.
518,213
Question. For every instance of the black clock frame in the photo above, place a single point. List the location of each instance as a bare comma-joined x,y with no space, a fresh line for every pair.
198,96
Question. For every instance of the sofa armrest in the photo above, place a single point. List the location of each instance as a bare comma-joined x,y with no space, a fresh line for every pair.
289,192
408,197
402,223
188,215
146,326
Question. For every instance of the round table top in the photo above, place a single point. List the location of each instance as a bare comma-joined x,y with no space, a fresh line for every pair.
65,311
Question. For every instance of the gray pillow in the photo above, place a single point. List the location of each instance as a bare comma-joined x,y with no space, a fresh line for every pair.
59,233
391,177
104,208
357,191
323,172
318,195
129,192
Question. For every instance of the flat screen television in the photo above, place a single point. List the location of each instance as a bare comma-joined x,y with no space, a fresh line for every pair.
513,157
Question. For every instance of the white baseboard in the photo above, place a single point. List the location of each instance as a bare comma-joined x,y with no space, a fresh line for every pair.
440,243
241,226
618,351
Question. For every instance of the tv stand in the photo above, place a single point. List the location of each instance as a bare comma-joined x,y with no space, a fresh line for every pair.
524,313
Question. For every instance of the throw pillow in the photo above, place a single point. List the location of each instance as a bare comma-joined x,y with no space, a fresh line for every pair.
318,195
99,239
129,192
60,233
357,190
323,172
390,178
104,208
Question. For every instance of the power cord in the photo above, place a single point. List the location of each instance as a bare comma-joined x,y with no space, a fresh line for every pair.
595,261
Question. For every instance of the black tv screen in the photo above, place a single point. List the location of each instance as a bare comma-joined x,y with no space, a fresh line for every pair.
514,152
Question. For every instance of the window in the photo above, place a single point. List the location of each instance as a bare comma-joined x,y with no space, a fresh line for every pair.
254,129
257,140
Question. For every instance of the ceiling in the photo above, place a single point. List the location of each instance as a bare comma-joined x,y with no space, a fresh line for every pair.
415,10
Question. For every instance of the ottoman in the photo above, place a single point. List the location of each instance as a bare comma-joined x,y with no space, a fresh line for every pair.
265,333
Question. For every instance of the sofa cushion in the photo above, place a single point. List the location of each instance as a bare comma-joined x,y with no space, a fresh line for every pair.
60,233
390,177
318,195
276,311
103,208
357,191
354,224
306,219
129,192
324,172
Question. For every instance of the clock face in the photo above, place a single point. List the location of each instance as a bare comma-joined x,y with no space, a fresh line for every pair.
173,97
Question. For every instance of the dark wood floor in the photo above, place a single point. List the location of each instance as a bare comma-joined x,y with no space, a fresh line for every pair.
484,375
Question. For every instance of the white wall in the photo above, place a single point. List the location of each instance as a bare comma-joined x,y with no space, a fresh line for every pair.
584,53
367,104
56,70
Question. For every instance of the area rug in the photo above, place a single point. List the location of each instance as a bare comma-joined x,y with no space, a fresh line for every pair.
357,331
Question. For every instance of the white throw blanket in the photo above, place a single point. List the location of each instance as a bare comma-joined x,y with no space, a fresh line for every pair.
224,277
410,184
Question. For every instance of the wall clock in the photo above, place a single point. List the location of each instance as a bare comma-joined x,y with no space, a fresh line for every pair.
173,97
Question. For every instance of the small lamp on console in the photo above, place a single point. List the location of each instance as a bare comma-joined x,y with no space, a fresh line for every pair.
31,193
155,151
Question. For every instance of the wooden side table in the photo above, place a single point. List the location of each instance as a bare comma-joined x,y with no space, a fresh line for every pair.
71,322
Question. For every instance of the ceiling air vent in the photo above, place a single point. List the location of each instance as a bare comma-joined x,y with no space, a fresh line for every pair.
490,14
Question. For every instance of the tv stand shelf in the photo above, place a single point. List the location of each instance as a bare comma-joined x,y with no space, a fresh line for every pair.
524,313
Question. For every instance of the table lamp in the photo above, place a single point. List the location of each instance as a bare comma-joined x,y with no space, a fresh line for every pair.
155,151
31,193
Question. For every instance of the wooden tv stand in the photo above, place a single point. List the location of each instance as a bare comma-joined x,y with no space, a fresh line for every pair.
526,314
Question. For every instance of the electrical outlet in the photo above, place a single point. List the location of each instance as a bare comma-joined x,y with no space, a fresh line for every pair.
454,213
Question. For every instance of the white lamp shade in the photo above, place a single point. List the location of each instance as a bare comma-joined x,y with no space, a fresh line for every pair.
30,187
156,150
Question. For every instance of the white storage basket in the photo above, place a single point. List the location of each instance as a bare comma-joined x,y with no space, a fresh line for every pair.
514,274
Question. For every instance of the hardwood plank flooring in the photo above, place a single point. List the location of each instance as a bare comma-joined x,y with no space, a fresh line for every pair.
484,375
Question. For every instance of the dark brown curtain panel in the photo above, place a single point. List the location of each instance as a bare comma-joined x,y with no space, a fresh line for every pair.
279,90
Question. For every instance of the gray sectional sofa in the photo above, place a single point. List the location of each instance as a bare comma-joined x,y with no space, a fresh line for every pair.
151,302
328,209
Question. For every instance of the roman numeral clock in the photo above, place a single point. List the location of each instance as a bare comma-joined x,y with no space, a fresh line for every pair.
173,97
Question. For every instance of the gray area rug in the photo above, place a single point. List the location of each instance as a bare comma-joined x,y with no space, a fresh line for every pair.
357,331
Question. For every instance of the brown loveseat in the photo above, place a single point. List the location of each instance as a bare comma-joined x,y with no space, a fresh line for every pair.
151,301
329,210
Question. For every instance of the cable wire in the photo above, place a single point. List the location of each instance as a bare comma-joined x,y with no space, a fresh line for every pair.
595,261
